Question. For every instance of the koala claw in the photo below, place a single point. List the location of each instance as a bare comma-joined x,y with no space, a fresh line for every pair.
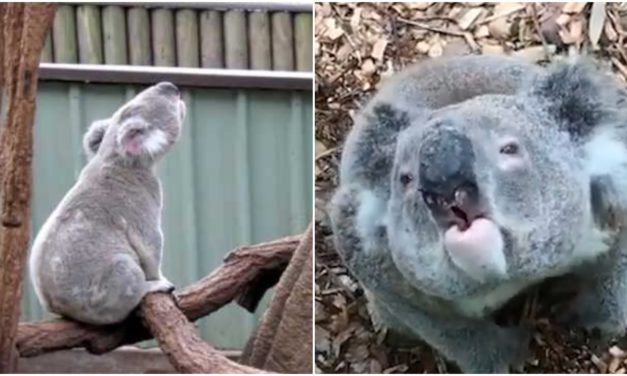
161,285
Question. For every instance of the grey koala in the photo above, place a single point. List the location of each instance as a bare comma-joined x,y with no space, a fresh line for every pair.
466,180
100,250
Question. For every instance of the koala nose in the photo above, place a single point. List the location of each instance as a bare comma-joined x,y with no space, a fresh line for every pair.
446,163
168,88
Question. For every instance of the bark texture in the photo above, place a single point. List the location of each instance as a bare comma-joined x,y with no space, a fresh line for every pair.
282,341
178,339
24,28
241,267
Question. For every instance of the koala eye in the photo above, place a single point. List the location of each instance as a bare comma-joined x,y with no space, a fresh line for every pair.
136,132
406,179
511,148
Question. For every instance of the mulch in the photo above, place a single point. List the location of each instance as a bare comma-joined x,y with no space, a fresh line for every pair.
357,46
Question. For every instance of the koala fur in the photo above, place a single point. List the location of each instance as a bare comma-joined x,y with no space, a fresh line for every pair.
100,250
466,180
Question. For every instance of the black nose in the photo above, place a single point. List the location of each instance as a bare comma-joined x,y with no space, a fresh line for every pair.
446,163
168,88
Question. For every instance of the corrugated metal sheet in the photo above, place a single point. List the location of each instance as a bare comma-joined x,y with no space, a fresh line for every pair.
241,174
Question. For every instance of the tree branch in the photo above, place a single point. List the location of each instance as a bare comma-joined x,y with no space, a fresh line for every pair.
228,282
179,341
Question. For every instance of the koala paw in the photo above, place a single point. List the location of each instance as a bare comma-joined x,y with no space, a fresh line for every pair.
161,285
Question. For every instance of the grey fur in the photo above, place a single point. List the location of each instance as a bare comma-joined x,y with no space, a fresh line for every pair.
100,250
558,201
93,137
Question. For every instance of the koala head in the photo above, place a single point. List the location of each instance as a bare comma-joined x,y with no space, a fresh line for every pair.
142,130
501,183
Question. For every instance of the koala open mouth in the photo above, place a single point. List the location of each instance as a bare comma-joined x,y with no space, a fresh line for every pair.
460,218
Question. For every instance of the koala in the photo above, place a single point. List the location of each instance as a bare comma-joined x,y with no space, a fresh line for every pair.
100,250
467,180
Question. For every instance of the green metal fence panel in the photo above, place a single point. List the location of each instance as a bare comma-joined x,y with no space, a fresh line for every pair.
240,174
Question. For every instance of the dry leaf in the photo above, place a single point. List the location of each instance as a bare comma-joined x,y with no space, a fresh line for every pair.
356,18
576,30
617,352
435,50
614,364
332,31
610,33
469,18
320,148
573,8
597,19
368,67
423,47
379,49
600,364
375,366
500,28
502,9
418,6
566,37
482,32
562,19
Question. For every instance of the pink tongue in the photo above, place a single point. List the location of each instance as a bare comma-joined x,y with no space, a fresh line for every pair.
478,250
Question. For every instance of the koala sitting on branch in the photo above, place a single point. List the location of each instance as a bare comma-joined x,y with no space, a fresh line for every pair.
466,180
100,250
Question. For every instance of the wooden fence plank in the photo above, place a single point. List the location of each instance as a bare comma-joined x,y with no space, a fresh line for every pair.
114,35
89,30
282,41
187,45
259,39
235,40
46,53
64,35
139,36
303,39
211,42
163,47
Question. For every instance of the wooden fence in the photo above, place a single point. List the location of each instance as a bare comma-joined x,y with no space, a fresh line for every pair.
183,37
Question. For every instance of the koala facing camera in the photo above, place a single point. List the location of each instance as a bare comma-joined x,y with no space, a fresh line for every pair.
467,180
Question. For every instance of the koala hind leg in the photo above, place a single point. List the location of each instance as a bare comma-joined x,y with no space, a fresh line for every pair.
149,263
121,287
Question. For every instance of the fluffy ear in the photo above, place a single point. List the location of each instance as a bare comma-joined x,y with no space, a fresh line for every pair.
93,137
579,95
138,138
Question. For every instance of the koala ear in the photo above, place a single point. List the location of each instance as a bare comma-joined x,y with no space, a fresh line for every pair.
137,138
93,137
579,95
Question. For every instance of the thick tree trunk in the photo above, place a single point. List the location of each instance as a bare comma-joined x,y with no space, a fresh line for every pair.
242,267
282,342
24,27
